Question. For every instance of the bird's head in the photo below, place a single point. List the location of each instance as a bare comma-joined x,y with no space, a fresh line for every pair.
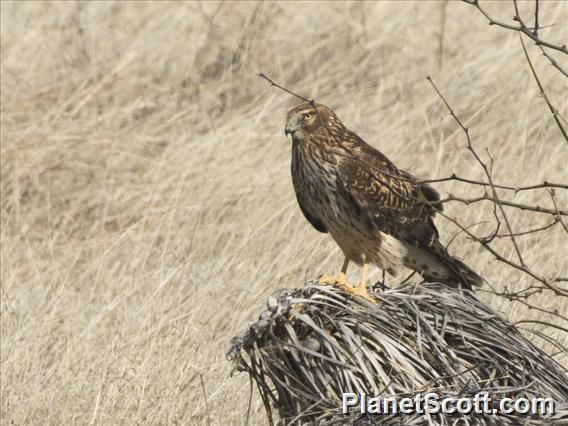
305,119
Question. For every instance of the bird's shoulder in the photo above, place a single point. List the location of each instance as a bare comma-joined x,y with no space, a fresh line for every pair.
392,199
366,168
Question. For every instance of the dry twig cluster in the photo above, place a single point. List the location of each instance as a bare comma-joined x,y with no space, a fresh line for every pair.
530,32
311,345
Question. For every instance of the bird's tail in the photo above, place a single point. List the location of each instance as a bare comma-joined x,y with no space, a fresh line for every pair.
460,275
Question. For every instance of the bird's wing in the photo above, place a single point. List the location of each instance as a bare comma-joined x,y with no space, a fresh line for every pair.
391,199
316,223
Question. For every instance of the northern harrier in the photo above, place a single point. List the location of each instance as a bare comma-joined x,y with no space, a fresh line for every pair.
374,211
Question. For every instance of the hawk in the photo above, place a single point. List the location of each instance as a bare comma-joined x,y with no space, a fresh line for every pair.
374,211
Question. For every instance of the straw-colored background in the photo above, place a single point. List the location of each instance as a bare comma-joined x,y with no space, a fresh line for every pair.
147,206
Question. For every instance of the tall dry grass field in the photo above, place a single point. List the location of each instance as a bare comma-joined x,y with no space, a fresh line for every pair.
147,205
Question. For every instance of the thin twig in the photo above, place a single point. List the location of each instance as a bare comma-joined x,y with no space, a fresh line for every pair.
454,177
536,26
552,109
548,324
553,61
521,28
272,83
524,29
531,231
539,209
485,169
501,258
553,198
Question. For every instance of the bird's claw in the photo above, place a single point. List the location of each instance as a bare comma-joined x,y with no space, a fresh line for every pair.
327,280
340,281
361,291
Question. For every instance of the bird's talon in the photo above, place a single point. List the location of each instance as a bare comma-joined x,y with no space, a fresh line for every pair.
361,291
341,282
327,280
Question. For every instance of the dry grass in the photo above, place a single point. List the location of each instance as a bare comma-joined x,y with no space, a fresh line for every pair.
147,207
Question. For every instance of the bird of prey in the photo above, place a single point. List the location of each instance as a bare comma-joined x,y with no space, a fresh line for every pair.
374,211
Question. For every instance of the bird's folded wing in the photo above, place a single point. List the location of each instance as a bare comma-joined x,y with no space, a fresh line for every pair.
315,222
390,199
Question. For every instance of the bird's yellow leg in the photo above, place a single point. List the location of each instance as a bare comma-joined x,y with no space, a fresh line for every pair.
340,280
361,289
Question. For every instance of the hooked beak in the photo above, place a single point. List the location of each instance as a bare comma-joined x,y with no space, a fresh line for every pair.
289,130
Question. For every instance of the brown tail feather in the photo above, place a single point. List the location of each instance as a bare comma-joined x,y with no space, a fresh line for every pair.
461,274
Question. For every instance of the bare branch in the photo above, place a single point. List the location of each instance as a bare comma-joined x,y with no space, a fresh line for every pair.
553,61
538,209
553,110
548,324
485,243
532,231
553,197
486,171
272,83
499,257
536,27
545,184
522,27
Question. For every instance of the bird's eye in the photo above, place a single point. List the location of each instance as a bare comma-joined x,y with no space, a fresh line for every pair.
307,116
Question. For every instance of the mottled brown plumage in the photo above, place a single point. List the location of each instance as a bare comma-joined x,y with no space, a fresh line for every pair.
375,212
